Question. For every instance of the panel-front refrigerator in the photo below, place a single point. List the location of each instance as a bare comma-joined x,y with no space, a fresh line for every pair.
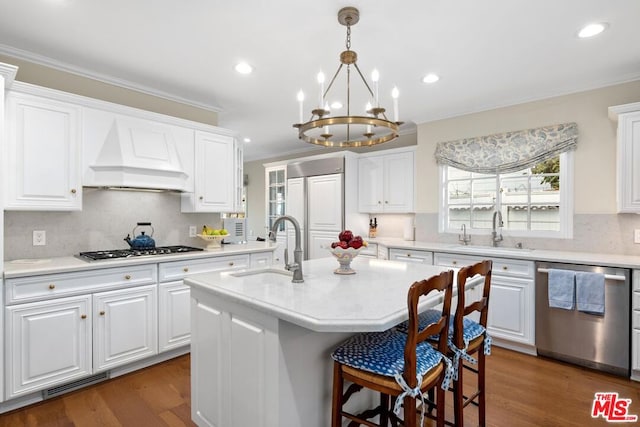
315,197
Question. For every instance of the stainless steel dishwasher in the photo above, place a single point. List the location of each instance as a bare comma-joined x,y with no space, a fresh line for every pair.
596,341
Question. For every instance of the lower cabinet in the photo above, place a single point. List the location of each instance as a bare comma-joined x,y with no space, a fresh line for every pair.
511,316
635,327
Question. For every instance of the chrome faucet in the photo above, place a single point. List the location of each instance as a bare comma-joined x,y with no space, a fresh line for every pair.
464,237
296,267
497,223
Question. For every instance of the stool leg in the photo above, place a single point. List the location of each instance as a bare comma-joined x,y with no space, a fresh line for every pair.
440,407
458,396
410,414
384,405
336,401
481,387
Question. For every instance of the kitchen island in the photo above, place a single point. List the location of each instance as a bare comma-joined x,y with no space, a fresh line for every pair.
261,345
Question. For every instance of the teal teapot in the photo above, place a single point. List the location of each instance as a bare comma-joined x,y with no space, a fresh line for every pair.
141,241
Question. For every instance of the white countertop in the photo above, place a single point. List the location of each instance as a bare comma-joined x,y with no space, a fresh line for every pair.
30,267
373,299
587,258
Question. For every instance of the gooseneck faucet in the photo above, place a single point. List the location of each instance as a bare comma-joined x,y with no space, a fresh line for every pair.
296,267
464,237
497,223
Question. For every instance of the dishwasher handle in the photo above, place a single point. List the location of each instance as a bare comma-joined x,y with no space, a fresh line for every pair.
606,276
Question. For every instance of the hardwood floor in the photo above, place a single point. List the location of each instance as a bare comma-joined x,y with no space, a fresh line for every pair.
522,391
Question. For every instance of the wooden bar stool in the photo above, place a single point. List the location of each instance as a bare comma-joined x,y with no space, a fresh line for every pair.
395,364
470,338
466,338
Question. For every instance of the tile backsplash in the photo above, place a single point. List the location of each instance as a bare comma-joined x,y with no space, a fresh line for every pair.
106,218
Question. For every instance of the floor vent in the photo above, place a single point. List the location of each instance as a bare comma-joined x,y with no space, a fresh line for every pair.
65,388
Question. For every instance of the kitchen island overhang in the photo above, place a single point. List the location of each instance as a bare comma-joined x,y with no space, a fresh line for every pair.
261,345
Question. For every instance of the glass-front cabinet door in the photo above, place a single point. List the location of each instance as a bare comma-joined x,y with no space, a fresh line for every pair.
275,179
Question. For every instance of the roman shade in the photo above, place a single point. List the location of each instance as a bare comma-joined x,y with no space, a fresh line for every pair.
509,151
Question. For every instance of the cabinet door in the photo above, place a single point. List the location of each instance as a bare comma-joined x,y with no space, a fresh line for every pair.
399,183
511,309
215,173
174,322
319,241
629,162
48,343
325,202
43,154
295,200
125,326
423,257
370,184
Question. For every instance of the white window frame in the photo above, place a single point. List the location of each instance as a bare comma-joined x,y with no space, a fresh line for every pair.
566,203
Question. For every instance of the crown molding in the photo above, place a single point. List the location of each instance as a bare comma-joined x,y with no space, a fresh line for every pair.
9,72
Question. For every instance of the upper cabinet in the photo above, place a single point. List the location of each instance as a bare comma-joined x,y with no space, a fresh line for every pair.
386,182
215,175
43,154
628,156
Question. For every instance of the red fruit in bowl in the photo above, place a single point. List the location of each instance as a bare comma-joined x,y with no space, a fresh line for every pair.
356,242
343,244
334,244
345,235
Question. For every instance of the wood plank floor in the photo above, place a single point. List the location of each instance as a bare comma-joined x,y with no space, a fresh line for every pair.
523,391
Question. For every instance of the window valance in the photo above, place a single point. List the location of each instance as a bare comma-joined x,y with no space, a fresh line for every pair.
509,151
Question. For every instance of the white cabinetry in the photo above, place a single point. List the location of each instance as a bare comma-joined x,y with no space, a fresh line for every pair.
628,156
635,327
215,175
48,343
43,161
125,326
61,327
386,183
511,302
324,198
409,255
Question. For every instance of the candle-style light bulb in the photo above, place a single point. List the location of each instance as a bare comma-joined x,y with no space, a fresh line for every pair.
300,104
375,76
395,94
321,82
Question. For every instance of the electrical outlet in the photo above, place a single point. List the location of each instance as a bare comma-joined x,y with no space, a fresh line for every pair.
192,231
636,235
39,238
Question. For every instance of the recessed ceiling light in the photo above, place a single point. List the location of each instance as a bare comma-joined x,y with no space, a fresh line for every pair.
336,105
430,78
244,68
247,140
591,30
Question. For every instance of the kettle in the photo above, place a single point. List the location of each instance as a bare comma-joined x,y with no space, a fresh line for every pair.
142,241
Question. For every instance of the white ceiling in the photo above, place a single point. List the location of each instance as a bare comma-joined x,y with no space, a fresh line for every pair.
489,53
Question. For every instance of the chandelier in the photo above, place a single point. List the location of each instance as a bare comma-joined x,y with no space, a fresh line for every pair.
369,129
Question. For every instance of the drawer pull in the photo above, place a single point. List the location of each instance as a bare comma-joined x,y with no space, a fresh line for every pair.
454,262
408,255
231,263
52,286
83,316
73,191
504,267
102,313
186,269
201,198
127,277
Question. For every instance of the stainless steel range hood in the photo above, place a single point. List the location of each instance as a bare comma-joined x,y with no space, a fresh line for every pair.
138,155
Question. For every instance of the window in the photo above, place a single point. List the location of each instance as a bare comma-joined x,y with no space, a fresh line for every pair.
534,202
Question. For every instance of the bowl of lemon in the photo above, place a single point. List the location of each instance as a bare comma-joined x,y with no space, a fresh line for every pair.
213,236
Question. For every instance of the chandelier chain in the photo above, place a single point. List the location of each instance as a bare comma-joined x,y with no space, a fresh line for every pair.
348,42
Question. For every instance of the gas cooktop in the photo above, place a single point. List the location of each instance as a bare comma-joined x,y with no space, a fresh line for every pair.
128,253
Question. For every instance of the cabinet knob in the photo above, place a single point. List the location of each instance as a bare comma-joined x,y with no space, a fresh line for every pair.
379,202
52,286
504,267
186,269
454,262
231,263
101,312
127,277
408,255
73,191
83,316
201,198
386,202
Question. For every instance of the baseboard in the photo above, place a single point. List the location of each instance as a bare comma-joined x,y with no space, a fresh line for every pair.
519,347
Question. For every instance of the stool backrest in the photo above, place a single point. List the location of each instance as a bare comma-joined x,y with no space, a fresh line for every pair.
442,283
464,308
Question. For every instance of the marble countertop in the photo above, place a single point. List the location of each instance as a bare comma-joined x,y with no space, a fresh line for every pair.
30,267
587,258
373,299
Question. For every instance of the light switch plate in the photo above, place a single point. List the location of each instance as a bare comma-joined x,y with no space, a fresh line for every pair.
192,231
636,235
39,238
